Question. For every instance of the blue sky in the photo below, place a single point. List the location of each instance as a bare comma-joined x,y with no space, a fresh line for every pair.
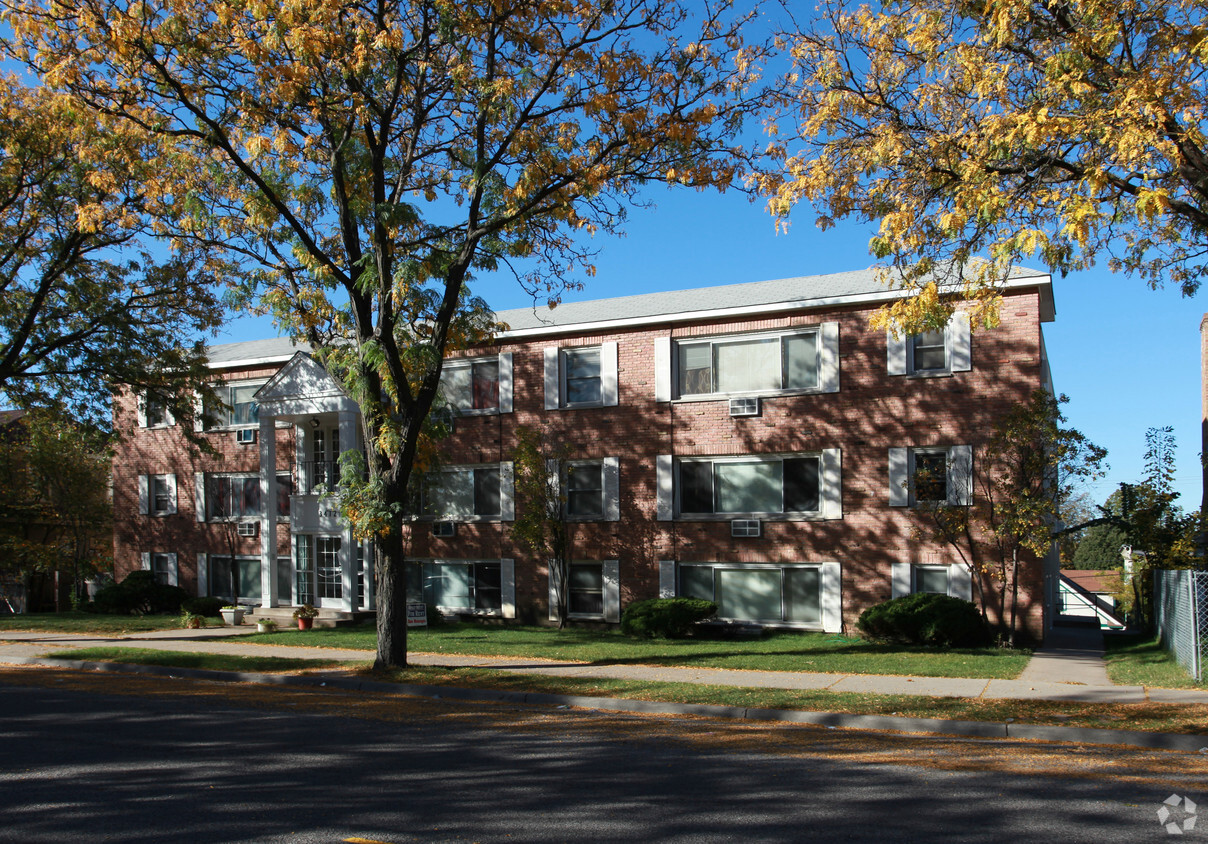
1127,356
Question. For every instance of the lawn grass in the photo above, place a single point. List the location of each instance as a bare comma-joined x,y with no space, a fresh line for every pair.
1182,718
1142,661
815,652
87,622
211,662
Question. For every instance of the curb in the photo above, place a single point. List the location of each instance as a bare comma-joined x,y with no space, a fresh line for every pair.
830,720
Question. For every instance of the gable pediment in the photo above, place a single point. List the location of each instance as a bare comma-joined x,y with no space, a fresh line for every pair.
302,381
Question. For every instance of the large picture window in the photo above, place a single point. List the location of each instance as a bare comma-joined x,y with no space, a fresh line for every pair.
747,486
232,496
234,578
471,386
463,587
770,594
765,363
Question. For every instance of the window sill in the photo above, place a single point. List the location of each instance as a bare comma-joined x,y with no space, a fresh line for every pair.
763,517
938,373
768,394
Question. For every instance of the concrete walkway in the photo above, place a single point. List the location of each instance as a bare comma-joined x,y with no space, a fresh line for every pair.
1070,668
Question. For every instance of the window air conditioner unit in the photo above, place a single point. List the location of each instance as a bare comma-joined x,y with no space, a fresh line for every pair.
746,406
249,528
444,529
745,528
245,436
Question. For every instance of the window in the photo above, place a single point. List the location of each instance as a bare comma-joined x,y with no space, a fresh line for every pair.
805,360
472,493
152,412
592,590
801,485
157,495
329,571
796,595
477,587
955,580
934,352
592,489
584,376
477,387
242,410
285,489
931,475
231,497
162,567
746,365
234,578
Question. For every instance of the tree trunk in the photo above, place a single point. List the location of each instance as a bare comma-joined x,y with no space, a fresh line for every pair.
1014,593
390,565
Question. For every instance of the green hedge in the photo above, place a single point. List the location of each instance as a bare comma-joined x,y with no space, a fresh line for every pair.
139,594
665,618
926,619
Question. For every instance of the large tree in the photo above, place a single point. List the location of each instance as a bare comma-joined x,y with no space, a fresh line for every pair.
1016,130
367,158
84,308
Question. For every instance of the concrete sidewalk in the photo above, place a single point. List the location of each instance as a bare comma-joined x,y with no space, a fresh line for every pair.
1069,669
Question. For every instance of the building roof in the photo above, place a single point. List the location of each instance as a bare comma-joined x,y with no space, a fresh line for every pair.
760,297
1107,580
701,303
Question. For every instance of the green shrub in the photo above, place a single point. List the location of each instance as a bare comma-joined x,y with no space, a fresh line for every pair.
925,619
665,618
139,594
203,606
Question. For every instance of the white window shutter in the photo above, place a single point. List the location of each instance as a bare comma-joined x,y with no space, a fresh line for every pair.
553,591
612,489
662,369
960,337
664,473
199,413
960,582
609,392
552,398
507,587
897,351
828,358
505,382
144,494
199,495
171,481
553,480
831,492
169,417
203,575
899,477
140,411
666,578
611,570
507,492
173,573
960,475
145,560
902,580
832,598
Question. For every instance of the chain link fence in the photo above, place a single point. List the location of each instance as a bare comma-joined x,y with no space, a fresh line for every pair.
1181,609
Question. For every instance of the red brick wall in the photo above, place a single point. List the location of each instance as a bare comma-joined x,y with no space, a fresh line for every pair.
872,412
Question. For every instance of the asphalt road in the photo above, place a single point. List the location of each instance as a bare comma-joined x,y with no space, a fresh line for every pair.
224,765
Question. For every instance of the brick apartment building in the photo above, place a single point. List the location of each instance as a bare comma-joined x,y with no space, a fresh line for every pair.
751,444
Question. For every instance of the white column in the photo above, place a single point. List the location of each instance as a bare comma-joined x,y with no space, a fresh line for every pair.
348,551
268,510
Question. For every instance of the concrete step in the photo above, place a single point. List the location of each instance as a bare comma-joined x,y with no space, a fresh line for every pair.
327,618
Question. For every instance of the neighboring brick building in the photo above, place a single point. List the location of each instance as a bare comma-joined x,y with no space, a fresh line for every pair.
749,443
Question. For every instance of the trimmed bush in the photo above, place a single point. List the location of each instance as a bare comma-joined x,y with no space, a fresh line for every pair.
665,618
139,594
926,619
203,606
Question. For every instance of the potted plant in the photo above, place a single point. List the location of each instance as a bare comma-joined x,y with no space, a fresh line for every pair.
305,615
265,625
192,621
232,615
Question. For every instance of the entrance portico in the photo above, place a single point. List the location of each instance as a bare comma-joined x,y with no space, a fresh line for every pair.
326,565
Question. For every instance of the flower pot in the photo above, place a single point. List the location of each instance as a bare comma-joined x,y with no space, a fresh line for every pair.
305,623
232,617
265,627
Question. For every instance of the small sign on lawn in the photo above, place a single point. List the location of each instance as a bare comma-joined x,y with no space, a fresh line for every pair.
417,614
